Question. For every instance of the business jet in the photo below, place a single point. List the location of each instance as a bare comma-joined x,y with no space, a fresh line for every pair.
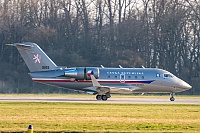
100,81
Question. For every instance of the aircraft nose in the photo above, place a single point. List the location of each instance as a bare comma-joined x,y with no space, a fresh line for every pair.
186,86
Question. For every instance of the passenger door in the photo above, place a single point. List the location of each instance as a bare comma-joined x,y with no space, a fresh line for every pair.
122,78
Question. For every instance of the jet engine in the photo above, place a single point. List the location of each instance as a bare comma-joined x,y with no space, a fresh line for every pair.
82,73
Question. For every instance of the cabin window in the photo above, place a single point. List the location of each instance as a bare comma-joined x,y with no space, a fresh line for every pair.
157,75
129,77
168,76
142,77
135,77
108,77
115,77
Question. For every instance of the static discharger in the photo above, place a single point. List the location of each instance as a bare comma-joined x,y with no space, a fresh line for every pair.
30,129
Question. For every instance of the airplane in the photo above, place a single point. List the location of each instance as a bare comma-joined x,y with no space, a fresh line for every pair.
100,81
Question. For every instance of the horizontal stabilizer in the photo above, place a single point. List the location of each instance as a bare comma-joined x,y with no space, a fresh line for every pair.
19,44
9,44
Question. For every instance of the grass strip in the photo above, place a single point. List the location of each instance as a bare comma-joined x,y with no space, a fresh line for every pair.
91,117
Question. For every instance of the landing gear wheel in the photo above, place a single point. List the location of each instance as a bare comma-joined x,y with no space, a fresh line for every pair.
172,97
104,97
98,97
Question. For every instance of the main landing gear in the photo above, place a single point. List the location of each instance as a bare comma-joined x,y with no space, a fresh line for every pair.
103,97
172,96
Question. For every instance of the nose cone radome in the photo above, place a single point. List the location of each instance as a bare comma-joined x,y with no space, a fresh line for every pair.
186,86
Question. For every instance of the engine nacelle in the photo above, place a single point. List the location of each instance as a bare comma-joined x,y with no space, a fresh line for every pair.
82,73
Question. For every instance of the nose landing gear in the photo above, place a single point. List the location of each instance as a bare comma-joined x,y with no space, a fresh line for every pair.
172,96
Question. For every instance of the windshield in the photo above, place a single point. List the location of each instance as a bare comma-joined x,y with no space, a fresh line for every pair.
168,76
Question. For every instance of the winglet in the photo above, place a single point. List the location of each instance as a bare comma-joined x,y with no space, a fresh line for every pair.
95,82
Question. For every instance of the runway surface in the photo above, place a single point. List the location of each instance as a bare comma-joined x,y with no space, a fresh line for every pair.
93,100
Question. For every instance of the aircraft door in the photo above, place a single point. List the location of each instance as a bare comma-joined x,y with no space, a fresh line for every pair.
122,78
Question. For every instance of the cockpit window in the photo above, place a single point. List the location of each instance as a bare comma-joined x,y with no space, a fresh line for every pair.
168,76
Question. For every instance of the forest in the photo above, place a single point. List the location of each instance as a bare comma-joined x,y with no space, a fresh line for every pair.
132,33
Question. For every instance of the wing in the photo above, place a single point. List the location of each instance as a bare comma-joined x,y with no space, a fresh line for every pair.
104,89
100,89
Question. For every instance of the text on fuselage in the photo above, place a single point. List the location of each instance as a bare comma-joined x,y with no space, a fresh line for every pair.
133,73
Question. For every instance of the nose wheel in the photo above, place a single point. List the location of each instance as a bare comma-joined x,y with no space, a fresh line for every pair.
172,96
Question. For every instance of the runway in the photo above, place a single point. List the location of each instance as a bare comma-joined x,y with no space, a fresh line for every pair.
93,100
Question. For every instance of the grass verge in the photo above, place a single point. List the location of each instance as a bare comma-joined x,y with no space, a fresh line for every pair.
83,117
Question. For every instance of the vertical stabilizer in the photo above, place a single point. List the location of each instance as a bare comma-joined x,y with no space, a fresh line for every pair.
34,57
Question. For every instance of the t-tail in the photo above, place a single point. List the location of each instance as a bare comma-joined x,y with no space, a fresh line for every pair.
34,57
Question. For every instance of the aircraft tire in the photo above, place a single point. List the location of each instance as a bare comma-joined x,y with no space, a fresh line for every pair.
172,98
104,97
98,97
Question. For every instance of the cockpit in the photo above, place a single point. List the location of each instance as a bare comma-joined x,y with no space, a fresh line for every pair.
168,76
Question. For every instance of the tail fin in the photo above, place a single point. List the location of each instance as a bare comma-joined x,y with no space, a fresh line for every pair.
34,57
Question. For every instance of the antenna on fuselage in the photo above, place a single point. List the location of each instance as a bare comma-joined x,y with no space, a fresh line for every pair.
120,66
102,66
